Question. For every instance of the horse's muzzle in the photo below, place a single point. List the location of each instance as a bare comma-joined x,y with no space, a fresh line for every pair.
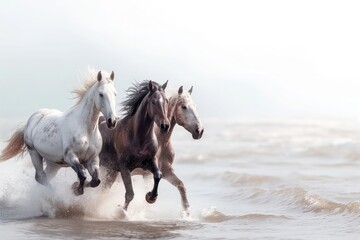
164,127
198,132
111,122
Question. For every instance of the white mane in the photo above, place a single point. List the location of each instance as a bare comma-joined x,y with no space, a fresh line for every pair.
90,80
173,93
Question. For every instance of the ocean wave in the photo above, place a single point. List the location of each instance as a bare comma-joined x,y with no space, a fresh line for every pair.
295,197
348,150
286,148
263,217
282,139
315,203
239,179
211,214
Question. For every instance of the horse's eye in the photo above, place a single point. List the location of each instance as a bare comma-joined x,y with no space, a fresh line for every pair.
101,95
153,102
184,107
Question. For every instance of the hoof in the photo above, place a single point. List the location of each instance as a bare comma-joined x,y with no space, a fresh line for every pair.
185,213
94,182
149,198
76,189
121,214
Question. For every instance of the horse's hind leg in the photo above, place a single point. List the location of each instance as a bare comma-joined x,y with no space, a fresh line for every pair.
109,178
170,176
51,169
37,161
129,195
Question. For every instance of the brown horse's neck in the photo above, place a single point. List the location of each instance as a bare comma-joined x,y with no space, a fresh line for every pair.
143,124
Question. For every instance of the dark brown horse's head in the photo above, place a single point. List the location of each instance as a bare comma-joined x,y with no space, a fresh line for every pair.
149,97
158,106
186,115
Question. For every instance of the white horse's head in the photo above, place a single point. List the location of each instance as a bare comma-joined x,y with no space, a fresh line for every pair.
105,98
186,115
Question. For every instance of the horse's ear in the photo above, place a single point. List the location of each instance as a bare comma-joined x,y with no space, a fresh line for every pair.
112,76
99,77
152,88
165,84
180,91
190,90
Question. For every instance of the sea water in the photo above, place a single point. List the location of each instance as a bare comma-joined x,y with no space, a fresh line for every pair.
245,179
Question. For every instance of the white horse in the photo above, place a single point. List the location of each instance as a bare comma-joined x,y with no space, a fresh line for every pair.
71,138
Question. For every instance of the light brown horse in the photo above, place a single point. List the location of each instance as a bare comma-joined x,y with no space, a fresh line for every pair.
133,143
181,111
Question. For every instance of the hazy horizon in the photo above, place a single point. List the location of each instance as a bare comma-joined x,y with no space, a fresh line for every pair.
245,59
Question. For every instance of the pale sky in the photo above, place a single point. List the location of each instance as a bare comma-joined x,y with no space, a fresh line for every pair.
244,58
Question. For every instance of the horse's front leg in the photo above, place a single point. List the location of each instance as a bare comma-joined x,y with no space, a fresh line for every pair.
126,177
93,167
73,161
153,167
171,177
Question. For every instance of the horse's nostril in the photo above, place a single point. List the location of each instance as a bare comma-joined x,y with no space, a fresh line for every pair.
199,131
164,126
110,123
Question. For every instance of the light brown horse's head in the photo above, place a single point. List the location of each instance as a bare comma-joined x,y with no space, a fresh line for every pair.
186,115
158,106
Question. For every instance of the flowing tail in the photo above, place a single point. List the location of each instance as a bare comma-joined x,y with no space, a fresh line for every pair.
15,146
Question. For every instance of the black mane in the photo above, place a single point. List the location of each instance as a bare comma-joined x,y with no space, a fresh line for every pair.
135,95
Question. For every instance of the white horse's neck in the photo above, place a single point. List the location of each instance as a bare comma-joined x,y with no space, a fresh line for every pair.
87,111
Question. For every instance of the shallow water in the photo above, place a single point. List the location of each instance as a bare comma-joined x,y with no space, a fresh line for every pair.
245,180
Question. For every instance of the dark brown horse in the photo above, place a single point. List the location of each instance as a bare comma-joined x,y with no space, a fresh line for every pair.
181,111
133,143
